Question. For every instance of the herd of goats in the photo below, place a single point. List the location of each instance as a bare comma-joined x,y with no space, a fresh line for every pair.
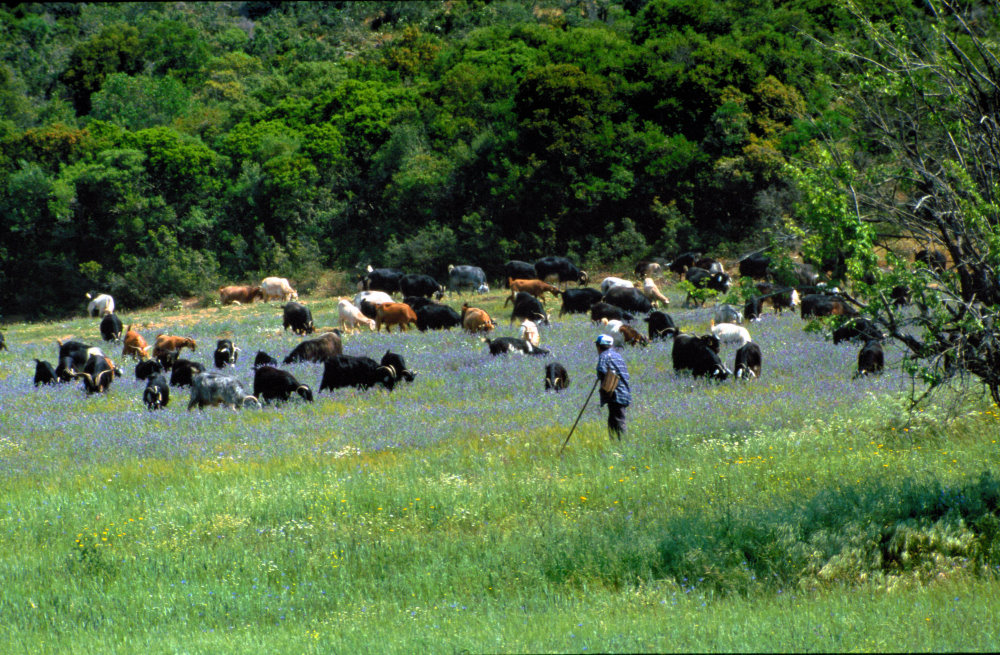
613,306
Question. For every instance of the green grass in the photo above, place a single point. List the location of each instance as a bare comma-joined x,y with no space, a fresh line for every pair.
843,530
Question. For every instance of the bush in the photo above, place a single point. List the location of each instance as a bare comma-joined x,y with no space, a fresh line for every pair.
168,270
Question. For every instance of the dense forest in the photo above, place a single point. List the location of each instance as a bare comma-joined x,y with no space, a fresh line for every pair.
155,149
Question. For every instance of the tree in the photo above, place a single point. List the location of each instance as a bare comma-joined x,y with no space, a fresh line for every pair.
139,102
115,50
175,49
923,165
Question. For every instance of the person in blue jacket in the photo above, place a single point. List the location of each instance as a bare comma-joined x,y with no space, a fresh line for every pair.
610,360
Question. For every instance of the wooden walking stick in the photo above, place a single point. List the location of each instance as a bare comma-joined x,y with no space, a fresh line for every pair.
578,416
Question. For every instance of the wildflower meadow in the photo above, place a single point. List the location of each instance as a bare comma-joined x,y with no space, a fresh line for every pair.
804,510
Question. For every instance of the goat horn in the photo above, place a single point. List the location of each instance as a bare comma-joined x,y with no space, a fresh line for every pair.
97,383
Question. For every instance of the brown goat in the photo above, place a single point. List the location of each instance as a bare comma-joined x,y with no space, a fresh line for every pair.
476,320
537,288
633,337
394,313
165,343
237,294
135,345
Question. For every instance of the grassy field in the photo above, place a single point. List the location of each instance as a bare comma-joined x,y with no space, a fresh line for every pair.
801,511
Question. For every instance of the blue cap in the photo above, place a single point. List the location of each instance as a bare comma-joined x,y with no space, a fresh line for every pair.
605,340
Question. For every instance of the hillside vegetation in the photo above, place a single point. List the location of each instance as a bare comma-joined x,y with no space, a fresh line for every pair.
159,149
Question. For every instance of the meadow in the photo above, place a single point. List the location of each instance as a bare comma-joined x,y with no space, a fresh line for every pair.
800,511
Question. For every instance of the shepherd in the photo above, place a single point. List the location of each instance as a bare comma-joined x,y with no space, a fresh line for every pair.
615,390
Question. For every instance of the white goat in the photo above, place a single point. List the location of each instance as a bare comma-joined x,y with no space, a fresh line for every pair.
351,317
609,282
277,288
730,333
529,332
651,291
102,304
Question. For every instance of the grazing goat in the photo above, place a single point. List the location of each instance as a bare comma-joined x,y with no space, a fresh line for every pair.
529,332
184,371
859,328
871,359
351,317
270,383
216,389
651,291
464,276
561,268
698,355
819,304
156,395
111,327
628,298
476,320
730,333
394,313
147,369
165,343
612,328
100,305
437,317
134,345
710,264
748,362
240,294
579,301
704,279
536,288
650,267
609,282
504,345
726,313
167,359
526,306
755,265
380,279
423,286
601,310
556,377
44,373
398,364
632,337
516,269
263,359
661,325
362,372
683,262
298,317
785,299
277,288
316,350
225,353
98,373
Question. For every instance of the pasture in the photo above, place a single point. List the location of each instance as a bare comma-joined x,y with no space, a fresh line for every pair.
800,511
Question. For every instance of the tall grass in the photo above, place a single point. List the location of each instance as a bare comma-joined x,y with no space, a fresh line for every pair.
802,511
